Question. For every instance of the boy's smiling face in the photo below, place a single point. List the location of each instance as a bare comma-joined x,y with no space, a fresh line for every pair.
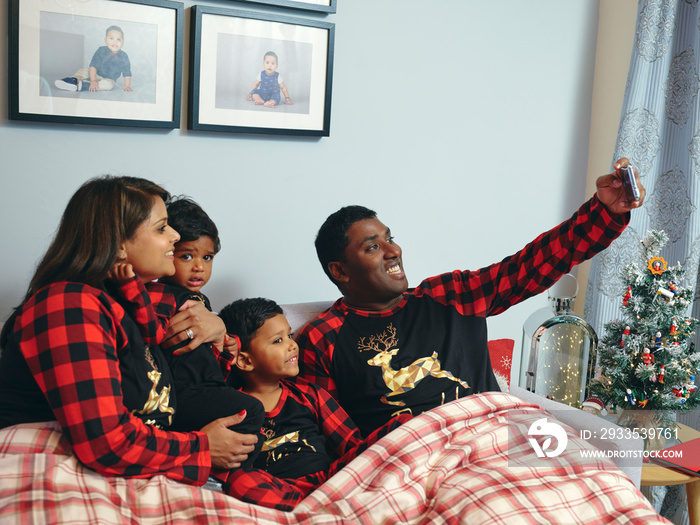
193,263
114,40
270,65
272,353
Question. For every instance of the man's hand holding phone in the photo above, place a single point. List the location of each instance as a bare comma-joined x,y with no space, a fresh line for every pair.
620,191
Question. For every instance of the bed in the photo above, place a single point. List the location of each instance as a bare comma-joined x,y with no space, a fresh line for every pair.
468,461
458,463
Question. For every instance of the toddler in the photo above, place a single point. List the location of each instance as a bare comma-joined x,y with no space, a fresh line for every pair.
202,393
108,63
267,86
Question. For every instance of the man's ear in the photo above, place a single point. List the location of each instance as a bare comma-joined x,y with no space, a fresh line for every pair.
337,272
243,362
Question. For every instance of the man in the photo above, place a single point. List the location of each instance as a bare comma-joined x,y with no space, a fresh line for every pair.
383,349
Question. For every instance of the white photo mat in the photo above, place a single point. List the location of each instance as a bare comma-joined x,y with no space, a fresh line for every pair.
33,102
209,114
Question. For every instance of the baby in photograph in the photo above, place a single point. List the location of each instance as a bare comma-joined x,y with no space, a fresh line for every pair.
268,84
108,63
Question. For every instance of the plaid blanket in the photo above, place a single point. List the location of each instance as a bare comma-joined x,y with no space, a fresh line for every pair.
469,461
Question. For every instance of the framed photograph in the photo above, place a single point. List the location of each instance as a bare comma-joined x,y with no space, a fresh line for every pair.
106,62
324,6
260,73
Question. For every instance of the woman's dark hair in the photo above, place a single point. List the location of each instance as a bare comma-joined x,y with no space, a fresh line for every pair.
99,217
244,317
332,238
189,220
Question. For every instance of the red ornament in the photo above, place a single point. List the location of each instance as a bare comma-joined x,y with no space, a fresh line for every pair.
594,405
625,332
628,295
674,327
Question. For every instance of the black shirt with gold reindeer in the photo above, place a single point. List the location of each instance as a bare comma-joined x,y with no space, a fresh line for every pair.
422,355
432,347
305,432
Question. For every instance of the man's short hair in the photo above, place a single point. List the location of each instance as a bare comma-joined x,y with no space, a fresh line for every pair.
189,220
332,238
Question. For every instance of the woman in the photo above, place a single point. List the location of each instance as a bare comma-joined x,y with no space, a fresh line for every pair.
82,348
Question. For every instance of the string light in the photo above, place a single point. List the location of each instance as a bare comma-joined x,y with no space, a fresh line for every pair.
563,362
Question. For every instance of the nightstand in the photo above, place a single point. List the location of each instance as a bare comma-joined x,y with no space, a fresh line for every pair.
656,475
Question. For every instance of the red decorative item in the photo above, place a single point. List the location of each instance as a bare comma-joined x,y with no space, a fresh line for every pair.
594,405
501,354
625,332
628,295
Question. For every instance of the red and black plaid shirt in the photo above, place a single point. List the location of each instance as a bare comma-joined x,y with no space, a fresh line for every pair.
67,352
442,321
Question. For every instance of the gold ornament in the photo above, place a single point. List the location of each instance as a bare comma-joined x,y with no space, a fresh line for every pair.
657,265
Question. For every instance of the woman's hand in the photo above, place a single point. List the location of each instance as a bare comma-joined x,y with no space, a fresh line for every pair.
228,449
612,193
196,323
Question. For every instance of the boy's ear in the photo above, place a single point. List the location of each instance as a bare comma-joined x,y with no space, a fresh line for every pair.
336,270
243,362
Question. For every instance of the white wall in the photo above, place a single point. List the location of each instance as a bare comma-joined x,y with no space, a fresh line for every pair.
465,171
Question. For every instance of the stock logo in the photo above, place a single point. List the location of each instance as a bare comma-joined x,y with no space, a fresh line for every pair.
542,427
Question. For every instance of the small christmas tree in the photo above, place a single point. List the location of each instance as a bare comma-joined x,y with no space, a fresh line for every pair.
647,361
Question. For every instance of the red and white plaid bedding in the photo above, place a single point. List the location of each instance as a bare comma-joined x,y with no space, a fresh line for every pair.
453,464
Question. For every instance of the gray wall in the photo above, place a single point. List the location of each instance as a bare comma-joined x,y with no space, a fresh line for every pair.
464,123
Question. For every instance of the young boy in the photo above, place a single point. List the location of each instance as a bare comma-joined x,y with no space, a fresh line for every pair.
267,85
201,390
108,63
309,436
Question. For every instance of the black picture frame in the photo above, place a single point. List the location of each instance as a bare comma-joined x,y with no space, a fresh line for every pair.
323,6
227,51
54,41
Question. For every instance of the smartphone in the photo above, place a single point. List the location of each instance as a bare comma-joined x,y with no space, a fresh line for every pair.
630,182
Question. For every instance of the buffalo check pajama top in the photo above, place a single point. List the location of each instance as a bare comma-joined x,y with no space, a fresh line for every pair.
89,359
309,438
432,347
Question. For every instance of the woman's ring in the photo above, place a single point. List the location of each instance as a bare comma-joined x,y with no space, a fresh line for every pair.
189,333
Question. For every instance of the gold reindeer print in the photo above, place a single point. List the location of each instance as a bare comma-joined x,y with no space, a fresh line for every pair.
380,342
404,379
291,437
270,445
156,401
268,428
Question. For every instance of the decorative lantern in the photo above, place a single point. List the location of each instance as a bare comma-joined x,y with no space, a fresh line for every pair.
562,355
